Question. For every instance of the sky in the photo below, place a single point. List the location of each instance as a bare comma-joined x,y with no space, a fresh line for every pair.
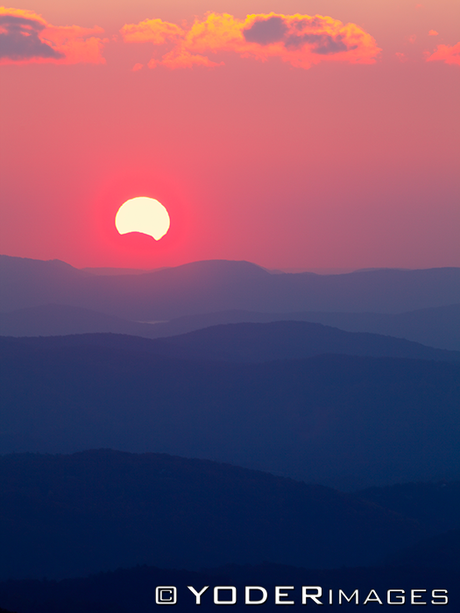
295,134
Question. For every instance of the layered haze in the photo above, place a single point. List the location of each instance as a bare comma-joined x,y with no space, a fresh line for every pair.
269,392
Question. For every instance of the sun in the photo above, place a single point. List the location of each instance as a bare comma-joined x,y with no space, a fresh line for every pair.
145,215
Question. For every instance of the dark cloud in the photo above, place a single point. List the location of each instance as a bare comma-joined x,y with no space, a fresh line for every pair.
324,44
310,22
274,29
329,44
19,39
266,31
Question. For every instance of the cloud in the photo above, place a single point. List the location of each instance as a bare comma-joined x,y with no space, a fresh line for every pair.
154,31
300,40
266,30
26,37
433,33
320,43
19,39
182,58
447,54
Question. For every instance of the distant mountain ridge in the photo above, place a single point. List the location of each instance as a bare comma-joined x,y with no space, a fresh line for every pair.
118,509
440,551
211,286
435,504
57,320
251,343
254,343
101,509
436,327
344,421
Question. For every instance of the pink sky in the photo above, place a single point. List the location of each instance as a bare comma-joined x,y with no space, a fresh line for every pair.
283,139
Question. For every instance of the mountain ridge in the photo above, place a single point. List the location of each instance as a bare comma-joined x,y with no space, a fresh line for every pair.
256,342
210,286
155,508
345,421
437,327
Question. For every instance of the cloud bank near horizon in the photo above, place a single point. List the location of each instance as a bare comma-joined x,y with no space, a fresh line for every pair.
300,40
26,37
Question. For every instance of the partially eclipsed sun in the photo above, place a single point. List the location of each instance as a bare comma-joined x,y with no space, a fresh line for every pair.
144,215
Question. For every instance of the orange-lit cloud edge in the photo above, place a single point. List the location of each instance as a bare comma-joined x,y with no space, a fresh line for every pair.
300,40
446,53
28,38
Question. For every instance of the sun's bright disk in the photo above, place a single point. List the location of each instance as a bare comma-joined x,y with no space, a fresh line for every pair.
145,215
